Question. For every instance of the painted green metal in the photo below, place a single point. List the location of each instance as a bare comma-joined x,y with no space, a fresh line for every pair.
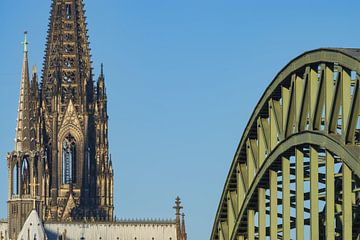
330,193
314,193
286,201
308,112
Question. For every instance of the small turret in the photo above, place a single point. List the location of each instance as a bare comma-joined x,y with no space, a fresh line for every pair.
101,89
35,109
34,82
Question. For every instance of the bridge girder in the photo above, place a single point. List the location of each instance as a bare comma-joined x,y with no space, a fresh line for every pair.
300,152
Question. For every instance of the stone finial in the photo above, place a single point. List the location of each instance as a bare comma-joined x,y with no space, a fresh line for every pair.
178,207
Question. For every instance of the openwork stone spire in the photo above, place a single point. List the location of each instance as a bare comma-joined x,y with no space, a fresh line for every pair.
62,130
23,122
67,68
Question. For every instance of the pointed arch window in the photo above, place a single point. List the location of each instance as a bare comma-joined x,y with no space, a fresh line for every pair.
69,160
68,11
15,179
25,176
58,10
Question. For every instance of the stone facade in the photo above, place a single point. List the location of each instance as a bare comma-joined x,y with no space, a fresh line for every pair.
124,230
35,229
4,226
61,156
61,168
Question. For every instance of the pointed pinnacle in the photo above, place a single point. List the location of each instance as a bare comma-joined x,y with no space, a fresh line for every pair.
34,70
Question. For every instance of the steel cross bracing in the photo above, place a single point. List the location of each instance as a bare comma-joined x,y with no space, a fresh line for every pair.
295,174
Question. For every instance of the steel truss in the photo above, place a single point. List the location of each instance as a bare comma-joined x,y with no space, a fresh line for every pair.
295,174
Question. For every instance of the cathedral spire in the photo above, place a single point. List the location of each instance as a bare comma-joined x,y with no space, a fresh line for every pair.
183,228
67,67
23,122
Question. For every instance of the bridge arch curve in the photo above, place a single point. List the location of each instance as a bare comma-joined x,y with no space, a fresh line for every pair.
298,162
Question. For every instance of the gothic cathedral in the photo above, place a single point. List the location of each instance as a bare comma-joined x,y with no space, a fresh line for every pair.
61,164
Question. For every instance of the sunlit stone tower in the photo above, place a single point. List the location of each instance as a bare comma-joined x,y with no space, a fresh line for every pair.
61,160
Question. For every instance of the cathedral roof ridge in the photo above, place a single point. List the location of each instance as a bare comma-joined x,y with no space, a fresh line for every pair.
146,221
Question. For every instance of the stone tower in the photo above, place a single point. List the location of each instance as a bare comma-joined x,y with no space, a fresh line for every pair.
61,160
25,163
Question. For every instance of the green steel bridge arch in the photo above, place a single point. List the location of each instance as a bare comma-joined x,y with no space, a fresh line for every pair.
296,171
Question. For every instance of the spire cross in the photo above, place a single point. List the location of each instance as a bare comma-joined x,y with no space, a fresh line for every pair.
178,206
34,185
25,43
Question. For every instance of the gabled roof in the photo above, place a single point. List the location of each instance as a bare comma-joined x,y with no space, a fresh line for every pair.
32,228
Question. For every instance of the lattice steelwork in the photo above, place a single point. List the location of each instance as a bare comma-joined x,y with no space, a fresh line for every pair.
296,172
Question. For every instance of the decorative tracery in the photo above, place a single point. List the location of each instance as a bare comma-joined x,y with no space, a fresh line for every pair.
25,176
69,160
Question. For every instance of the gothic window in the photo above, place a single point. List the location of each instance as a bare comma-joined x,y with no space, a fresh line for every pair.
68,48
69,160
69,77
59,10
68,26
25,176
15,177
68,11
69,62
88,167
68,37
36,167
48,150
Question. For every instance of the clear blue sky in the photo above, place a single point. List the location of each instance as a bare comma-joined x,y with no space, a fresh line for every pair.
183,78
